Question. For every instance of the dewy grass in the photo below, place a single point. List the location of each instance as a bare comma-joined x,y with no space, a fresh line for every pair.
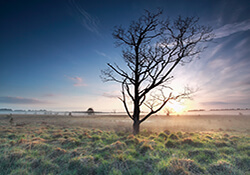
58,150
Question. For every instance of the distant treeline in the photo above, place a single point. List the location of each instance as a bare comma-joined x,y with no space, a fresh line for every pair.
5,109
21,110
192,110
231,109
196,110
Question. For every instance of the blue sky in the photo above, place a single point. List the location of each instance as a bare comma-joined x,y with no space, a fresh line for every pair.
52,53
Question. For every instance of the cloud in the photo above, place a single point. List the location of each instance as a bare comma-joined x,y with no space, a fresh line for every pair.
19,100
88,21
78,82
103,54
230,29
241,44
110,95
225,104
218,63
49,95
222,75
214,103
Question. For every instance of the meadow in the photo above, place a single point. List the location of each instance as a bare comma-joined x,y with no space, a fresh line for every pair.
104,145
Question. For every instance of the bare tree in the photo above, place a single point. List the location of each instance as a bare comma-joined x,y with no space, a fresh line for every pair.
151,49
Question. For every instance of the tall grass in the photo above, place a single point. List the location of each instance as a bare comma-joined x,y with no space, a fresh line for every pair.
60,150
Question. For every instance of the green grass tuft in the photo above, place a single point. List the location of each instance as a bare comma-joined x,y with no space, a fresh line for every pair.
163,135
170,144
173,136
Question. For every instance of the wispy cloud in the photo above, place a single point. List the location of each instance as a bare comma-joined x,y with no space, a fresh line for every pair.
222,75
217,63
78,81
230,29
110,94
103,54
49,95
214,103
20,100
229,83
241,44
90,22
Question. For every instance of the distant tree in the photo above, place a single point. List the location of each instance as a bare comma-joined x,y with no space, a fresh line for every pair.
151,49
90,111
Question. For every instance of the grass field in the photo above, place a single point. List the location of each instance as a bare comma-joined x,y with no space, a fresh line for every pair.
104,145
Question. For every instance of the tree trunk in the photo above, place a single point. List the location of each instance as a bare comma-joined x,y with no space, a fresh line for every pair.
136,117
136,127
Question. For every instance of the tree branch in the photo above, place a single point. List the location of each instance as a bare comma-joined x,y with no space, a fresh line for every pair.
124,101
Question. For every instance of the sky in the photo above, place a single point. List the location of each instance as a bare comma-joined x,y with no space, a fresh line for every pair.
52,53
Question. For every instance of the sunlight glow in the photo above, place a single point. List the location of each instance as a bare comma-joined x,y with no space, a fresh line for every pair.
176,107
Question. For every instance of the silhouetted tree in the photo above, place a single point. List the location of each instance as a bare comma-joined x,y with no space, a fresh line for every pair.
90,111
151,49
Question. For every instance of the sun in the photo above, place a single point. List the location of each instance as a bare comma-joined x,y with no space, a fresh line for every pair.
176,107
